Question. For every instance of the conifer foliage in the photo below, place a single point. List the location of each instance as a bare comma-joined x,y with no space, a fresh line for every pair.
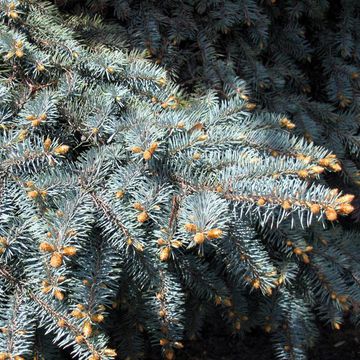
132,214
297,57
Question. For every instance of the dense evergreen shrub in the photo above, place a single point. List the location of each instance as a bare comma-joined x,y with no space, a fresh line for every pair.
300,58
133,214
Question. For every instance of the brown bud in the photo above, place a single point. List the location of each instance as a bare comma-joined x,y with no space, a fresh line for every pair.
190,227
33,194
178,345
56,260
14,15
303,174
59,295
40,67
214,233
164,342
78,314
165,254
315,208
180,124
69,250
110,352
47,144
348,198
79,339
345,209
138,206
61,323
317,169
19,53
142,217
176,244
46,289
297,251
119,194
286,205
153,147
136,149
169,354
62,149
199,238
267,328
331,214
324,162
305,258
87,329
250,106
196,156
147,155
256,284
45,246
261,202
97,318
335,167
161,242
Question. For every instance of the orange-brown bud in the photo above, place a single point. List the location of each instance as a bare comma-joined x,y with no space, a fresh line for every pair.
47,144
119,194
315,208
203,137
33,194
69,250
79,339
45,246
164,342
165,254
56,260
78,314
256,284
62,149
345,209
214,233
136,149
61,323
97,318
138,206
142,217
348,198
110,352
331,214
190,227
199,238
147,155
303,174
87,329
286,205
169,354
317,169
59,295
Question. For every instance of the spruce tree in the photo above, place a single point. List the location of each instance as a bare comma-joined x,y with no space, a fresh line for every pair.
134,214
300,58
